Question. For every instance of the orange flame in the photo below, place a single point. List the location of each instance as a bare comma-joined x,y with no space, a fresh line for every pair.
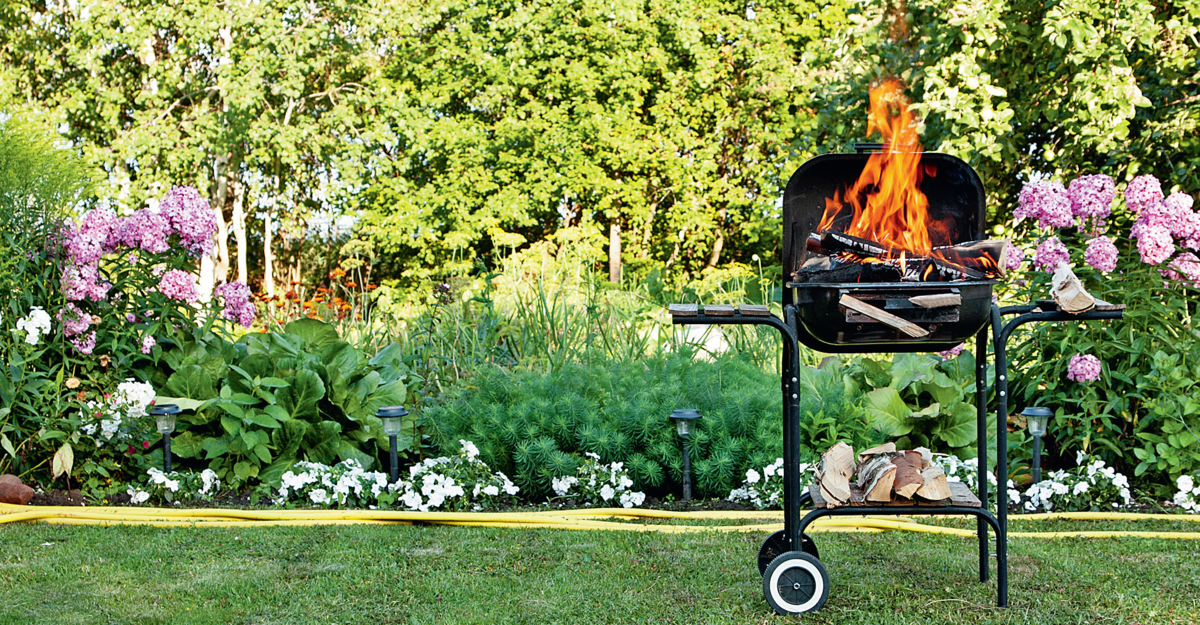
888,205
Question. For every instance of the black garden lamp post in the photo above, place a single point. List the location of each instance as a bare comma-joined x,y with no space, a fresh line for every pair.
164,418
393,422
684,425
1037,418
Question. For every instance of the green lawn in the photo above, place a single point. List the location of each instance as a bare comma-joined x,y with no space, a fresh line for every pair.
377,574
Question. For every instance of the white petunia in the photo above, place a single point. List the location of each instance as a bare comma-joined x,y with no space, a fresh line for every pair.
318,496
1080,488
752,476
1185,483
607,492
491,490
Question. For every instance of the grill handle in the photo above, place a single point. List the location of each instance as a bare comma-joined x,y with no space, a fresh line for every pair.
865,148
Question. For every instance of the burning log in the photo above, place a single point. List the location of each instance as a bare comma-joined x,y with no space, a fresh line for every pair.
988,257
883,316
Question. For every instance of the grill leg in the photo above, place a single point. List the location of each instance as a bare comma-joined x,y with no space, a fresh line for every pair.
982,433
1000,338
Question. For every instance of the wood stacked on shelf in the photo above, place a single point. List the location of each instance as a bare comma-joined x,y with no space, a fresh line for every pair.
884,475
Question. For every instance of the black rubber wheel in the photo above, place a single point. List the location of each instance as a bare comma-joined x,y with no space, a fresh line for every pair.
796,583
774,546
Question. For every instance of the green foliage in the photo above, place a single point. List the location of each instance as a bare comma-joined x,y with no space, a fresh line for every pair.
268,400
921,400
536,426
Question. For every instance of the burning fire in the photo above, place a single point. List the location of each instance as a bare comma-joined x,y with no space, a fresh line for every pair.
888,205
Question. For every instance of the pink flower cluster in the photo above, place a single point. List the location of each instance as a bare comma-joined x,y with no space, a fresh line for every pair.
1092,196
1050,254
1101,254
238,306
178,285
1083,368
1016,256
80,282
1047,202
148,344
191,218
1184,268
85,343
1162,223
74,320
953,352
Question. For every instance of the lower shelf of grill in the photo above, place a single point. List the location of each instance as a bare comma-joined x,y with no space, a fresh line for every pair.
960,496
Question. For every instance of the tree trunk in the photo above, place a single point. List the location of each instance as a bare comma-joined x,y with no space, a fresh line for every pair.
614,253
239,227
220,195
268,256
719,244
645,251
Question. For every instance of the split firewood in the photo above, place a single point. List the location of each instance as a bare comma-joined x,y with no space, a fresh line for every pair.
950,271
935,487
886,448
834,471
987,256
926,457
1068,291
882,316
876,475
939,300
908,476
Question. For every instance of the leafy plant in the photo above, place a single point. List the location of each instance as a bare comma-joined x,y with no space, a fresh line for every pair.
258,405
922,400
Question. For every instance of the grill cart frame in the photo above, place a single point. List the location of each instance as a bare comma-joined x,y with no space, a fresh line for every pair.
794,579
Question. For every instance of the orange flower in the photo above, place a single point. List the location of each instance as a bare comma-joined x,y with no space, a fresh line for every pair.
337,273
351,285
372,287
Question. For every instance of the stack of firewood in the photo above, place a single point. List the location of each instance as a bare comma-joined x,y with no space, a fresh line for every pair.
880,475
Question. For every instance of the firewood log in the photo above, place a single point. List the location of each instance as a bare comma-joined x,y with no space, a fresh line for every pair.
987,256
926,457
1068,291
833,474
886,448
936,487
908,476
876,475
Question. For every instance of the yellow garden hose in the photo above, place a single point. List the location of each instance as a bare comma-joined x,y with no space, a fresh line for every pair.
586,519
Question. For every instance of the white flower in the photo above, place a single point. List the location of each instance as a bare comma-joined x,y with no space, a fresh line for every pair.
1120,481
34,325
137,496
470,449
491,491
769,470
1080,457
1185,483
752,476
607,492
318,496
1080,488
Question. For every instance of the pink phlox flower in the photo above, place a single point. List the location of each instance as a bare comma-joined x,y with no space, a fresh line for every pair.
191,218
1016,256
1050,254
238,307
102,224
145,229
85,344
953,352
1101,254
1155,244
1142,192
1046,201
179,285
1184,223
80,282
1083,368
1184,268
148,344
1092,196
74,320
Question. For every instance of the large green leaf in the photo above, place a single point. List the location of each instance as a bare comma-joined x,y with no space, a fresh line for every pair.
192,382
288,438
316,335
958,426
322,441
909,368
184,403
944,390
347,450
187,445
300,398
342,357
888,412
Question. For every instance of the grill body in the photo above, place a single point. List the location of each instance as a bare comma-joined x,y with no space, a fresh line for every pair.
956,202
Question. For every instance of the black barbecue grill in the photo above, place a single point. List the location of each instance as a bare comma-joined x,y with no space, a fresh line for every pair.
794,579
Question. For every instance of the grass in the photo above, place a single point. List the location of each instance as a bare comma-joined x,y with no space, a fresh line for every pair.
401,574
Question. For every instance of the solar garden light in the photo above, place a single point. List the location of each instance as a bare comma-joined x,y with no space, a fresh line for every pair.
164,418
393,422
683,419
1037,419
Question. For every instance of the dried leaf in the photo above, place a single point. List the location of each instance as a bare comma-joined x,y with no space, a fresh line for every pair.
63,462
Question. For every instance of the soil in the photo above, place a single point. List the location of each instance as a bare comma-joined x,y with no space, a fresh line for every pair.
61,498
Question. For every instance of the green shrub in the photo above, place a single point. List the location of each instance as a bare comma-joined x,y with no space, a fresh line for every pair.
536,426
